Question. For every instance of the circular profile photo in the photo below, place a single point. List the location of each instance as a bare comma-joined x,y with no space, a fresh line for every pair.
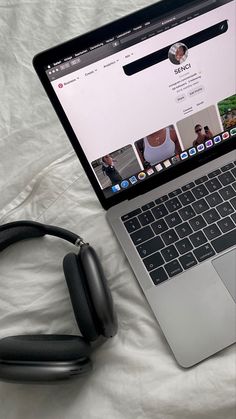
178,53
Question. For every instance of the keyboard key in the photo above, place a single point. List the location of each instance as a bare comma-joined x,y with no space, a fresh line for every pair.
159,226
148,206
227,193
212,232
131,214
214,173
234,185
226,178
227,167
184,246
160,211
150,247
198,239
173,204
187,213
226,224
214,199
174,193
233,202
142,235
200,206
169,253
154,261
213,185
204,252
146,218
158,276
188,187
173,268
132,225
170,237
186,198
173,219
162,199
183,230
234,172
187,261
225,209
211,216
200,191
201,180
225,241
197,223
233,216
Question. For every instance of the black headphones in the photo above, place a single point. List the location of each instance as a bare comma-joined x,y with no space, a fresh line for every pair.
37,358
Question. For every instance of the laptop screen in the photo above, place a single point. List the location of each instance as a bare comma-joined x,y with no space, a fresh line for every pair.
146,100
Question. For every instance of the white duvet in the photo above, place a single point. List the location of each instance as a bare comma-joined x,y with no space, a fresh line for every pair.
135,374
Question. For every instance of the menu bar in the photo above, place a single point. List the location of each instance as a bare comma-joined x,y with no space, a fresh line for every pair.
108,47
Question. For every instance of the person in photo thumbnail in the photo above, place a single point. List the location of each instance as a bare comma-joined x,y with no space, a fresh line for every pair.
227,109
202,137
108,169
159,146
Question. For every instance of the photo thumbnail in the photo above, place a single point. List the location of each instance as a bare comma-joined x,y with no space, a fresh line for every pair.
158,146
199,128
113,168
227,109
178,53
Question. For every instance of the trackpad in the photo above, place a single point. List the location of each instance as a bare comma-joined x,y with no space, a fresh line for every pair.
225,266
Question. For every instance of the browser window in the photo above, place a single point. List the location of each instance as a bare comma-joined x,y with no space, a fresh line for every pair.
148,99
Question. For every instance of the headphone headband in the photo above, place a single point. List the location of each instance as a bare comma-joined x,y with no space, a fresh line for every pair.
13,232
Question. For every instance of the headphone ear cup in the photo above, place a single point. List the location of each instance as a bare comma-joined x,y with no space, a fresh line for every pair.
43,348
99,292
80,298
43,358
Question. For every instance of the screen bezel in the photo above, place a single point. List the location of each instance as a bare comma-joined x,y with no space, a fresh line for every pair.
41,60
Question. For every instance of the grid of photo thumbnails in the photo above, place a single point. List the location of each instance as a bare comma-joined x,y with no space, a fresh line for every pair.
162,149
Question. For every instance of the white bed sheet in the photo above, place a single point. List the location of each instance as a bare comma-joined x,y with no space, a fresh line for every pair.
135,374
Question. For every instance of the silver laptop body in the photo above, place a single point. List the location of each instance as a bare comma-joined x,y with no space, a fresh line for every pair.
196,309
149,105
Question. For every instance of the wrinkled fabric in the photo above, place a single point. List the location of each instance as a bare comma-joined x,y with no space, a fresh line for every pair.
135,375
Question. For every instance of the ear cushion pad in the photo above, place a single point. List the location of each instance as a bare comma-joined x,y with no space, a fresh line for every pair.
57,348
80,299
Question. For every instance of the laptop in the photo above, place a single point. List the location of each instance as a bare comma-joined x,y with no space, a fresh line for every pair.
149,104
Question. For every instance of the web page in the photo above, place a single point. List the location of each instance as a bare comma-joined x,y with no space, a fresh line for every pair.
157,103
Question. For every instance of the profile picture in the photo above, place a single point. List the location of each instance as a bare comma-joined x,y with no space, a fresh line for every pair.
178,53
158,146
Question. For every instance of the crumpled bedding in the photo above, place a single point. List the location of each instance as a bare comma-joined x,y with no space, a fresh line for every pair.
135,374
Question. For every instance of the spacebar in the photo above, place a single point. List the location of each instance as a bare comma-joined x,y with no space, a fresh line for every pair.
225,241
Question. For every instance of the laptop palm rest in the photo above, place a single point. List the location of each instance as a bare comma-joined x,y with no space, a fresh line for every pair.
196,313
225,266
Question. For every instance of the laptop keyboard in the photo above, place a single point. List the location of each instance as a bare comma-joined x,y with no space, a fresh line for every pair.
187,226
